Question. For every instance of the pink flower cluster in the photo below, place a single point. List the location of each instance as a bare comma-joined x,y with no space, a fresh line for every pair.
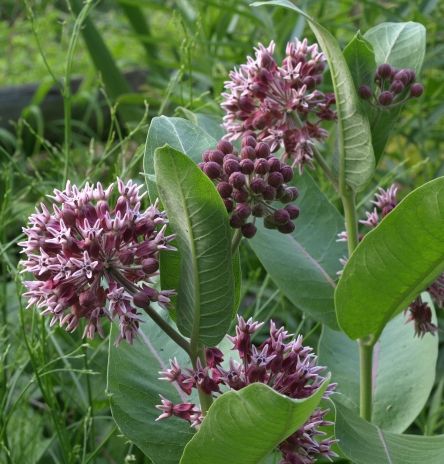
90,256
419,312
280,103
285,365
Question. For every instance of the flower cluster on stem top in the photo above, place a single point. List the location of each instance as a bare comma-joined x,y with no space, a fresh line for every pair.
92,258
280,361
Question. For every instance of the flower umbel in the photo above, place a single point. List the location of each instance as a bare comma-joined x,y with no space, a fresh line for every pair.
92,258
280,102
282,362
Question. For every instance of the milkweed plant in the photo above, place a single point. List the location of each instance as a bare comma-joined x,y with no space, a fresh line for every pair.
189,379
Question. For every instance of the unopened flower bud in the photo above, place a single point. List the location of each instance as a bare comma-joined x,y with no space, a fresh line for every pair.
258,185
275,179
237,180
248,230
386,98
269,193
287,173
243,210
262,150
281,216
384,71
261,166
229,204
249,141
293,211
224,189
416,90
248,152
150,265
241,196
397,86
236,221
212,169
247,166
274,164
365,92
286,228
217,156
258,210
225,146
231,166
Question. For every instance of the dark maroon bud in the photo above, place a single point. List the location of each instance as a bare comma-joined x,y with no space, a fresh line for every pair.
262,150
217,156
261,120
287,172
236,221
269,193
201,165
404,76
246,166
224,189
281,216
261,166
249,141
248,230
206,155
384,71
293,211
259,90
150,265
229,204
258,210
287,228
121,205
212,170
386,98
248,152
397,87
241,196
225,146
243,210
294,192
246,103
365,92
231,166
275,179
230,156
258,185
264,76
274,164
310,82
269,222
267,61
416,90
69,216
237,180
214,357
143,298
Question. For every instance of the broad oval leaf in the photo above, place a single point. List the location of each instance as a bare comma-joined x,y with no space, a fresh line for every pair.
134,387
403,46
178,133
197,215
403,371
244,426
357,162
304,264
365,443
394,263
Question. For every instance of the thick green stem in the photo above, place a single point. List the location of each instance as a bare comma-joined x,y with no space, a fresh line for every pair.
365,347
235,241
366,388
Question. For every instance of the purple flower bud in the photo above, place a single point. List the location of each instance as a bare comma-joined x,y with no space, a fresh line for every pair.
225,146
286,228
269,222
416,90
241,196
248,230
258,185
262,150
269,193
249,141
310,82
150,265
281,216
386,98
247,166
206,155
217,156
293,211
231,166
404,76
243,210
274,164
248,152
287,173
224,189
261,166
267,61
275,179
229,204
246,103
212,170
365,92
397,86
237,180
236,221
384,71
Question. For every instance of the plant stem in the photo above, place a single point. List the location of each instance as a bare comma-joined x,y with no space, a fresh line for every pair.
205,399
366,388
235,242
351,220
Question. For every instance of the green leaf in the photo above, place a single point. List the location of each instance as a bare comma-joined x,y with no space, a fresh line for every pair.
199,219
403,46
134,388
304,264
178,133
400,361
357,162
361,60
394,263
365,443
244,426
